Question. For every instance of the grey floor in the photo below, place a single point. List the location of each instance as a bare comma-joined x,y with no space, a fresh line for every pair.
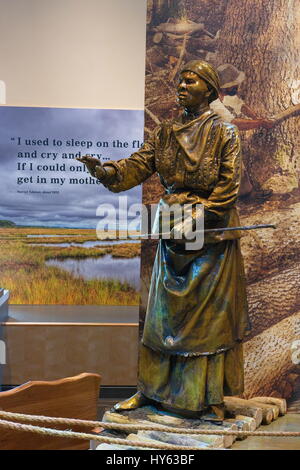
290,422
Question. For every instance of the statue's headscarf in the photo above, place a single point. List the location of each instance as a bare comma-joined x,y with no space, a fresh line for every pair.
205,71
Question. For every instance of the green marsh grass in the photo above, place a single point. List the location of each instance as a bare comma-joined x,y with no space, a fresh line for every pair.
23,270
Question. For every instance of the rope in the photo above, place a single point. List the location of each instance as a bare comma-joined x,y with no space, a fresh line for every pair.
141,427
85,436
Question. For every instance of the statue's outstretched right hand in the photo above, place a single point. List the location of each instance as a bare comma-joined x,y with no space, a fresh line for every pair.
92,163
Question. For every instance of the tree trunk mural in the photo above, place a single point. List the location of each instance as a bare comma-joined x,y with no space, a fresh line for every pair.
262,39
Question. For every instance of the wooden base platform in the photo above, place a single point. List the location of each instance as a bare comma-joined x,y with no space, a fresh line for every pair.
240,414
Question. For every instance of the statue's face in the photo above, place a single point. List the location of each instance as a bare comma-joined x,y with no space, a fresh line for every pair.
192,90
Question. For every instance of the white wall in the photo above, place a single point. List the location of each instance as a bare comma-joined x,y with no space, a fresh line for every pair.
73,53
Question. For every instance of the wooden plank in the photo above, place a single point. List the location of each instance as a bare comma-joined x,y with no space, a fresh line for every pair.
266,408
241,424
238,406
280,402
167,438
251,421
205,441
147,415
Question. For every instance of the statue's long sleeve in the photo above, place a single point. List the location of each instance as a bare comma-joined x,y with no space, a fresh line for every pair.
135,169
225,193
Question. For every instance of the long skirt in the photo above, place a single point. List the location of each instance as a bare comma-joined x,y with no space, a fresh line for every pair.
190,383
198,300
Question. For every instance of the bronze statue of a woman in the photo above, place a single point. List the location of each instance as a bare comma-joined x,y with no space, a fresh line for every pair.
191,352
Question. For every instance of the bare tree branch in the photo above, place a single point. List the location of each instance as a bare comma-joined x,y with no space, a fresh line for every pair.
153,117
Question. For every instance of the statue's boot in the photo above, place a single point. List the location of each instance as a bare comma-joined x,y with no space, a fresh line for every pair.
137,400
214,413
